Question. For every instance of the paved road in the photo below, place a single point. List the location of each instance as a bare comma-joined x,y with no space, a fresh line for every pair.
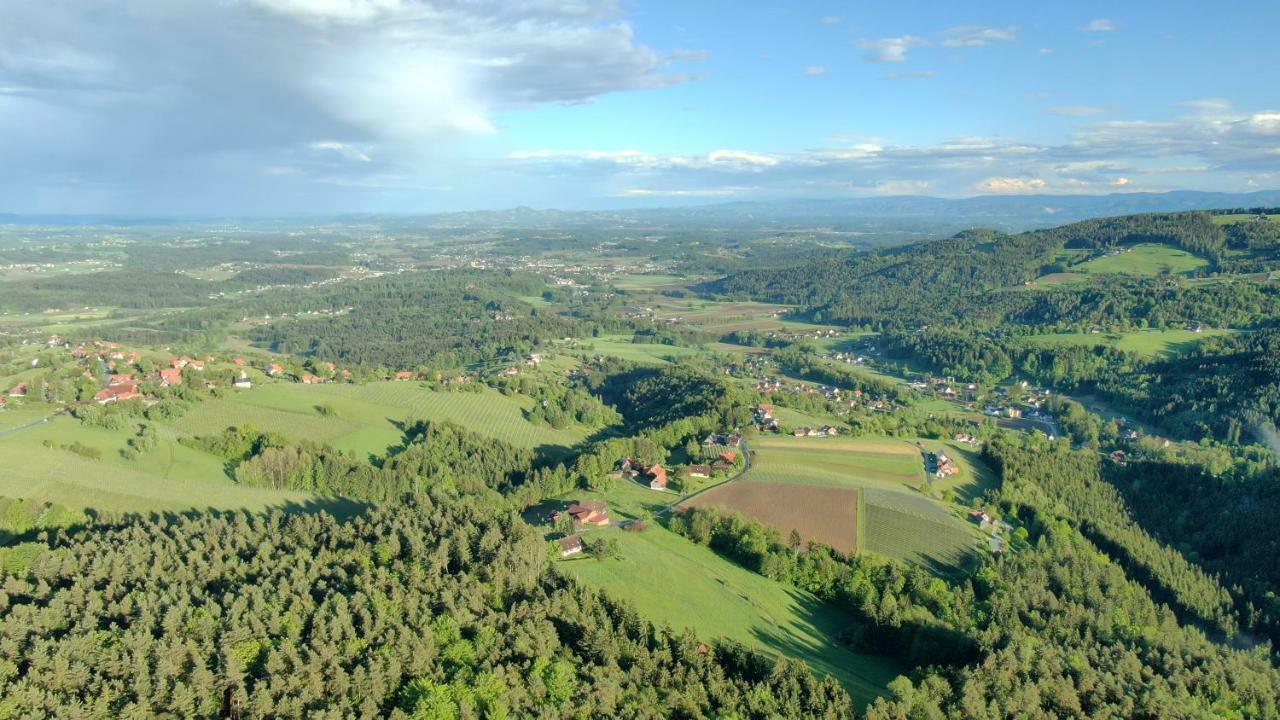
33,423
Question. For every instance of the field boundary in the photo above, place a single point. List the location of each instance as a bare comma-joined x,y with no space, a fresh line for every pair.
860,524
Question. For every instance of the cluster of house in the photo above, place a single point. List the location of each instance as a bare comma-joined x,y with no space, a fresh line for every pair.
585,512
532,360
655,474
765,419
998,529
824,431
966,438
847,398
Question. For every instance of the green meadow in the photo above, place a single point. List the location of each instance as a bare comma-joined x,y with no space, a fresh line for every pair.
683,584
367,417
1144,259
170,477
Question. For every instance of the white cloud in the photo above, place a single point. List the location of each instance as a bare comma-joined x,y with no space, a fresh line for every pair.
1076,110
1101,25
901,187
831,20
333,10
681,193
1108,156
215,90
1010,185
975,35
343,149
891,49
1208,105
815,70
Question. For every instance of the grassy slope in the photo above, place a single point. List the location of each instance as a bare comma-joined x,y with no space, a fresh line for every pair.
686,585
169,478
175,477
1149,343
1144,259
367,415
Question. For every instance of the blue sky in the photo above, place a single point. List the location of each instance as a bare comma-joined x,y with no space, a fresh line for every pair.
300,106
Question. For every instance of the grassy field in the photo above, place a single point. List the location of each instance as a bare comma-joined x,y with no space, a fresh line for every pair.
620,346
368,416
1148,343
368,419
836,462
899,520
639,282
686,585
170,477
21,412
1144,259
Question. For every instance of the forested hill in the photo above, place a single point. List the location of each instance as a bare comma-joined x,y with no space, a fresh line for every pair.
440,608
979,275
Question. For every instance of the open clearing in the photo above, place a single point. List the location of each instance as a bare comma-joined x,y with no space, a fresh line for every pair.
1148,343
621,347
1144,259
684,584
368,415
1241,217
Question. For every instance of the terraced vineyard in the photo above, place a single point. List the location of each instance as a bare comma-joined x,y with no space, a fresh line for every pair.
915,529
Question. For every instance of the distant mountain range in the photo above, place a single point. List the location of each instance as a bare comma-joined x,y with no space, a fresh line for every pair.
1010,212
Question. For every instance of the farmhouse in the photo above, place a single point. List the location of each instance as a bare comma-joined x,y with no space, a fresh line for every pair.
19,390
731,440
942,465
122,391
170,376
243,381
587,512
309,379
657,477
729,456
274,369
700,471
404,375
571,545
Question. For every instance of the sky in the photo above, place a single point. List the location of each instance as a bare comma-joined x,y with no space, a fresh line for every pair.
288,107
